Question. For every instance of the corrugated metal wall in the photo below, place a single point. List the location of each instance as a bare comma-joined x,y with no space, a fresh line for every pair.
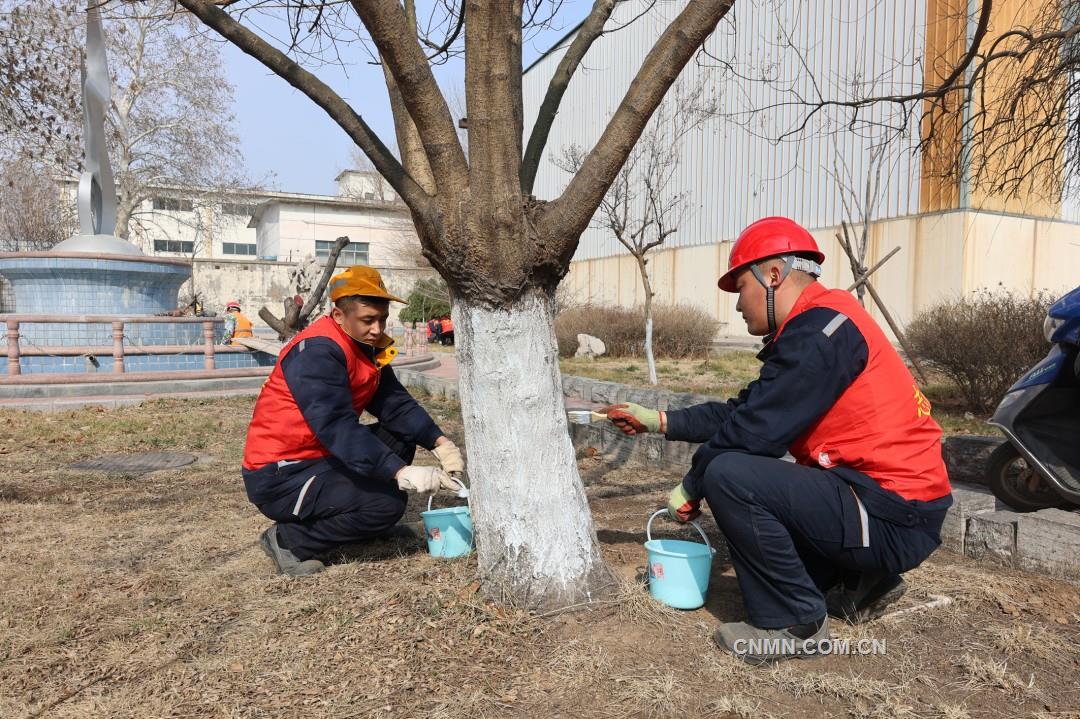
733,167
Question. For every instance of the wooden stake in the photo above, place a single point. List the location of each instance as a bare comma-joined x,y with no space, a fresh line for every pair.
866,275
881,304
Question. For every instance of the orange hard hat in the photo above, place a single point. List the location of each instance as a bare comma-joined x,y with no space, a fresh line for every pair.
769,237
360,280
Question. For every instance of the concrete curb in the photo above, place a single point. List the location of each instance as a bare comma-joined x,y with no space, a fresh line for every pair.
435,386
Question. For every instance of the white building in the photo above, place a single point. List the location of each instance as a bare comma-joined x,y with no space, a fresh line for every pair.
281,226
244,244
953,237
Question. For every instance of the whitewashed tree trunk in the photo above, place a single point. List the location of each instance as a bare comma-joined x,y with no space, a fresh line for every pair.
536,543
648,347
646,285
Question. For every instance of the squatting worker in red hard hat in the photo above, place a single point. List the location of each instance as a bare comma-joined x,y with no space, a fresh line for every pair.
324,478
866,496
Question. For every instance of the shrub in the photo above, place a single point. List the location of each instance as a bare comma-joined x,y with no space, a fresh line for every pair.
678,330
983,343
428,298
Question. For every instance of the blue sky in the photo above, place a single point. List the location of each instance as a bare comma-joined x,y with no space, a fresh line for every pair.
292,145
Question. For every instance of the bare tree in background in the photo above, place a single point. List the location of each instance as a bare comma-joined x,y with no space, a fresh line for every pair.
171,117
860,197
645,204
376,189
170,125
40,92
502,251
33,214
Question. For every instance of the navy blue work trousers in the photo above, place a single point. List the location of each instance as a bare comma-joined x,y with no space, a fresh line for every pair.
794,530
321,504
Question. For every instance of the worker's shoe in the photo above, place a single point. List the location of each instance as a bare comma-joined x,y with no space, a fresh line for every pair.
755,645
402,532
864,596
285,561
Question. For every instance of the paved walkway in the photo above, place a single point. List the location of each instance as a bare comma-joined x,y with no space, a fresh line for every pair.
447,368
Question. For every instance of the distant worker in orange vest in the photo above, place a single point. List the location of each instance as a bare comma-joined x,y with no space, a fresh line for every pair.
236,324
309,464
446,330
830,533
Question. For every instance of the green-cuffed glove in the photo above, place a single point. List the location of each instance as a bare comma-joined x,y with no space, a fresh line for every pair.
681,507
632,418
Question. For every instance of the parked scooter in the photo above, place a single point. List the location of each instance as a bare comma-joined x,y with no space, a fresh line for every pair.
1039,466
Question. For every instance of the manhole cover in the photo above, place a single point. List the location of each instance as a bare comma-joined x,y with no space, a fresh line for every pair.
137,463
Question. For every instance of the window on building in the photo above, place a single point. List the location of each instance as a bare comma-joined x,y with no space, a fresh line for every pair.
355,253
186,247
237,248
173,204
236,208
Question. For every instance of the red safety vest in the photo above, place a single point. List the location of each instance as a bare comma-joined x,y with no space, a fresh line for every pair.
278,429
881,424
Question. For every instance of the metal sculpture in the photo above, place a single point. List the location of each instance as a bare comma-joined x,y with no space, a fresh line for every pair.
97,192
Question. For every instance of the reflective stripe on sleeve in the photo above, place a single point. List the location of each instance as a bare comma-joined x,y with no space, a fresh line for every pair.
834,324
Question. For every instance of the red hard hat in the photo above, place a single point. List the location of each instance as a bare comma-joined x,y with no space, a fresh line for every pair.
232,304
768,237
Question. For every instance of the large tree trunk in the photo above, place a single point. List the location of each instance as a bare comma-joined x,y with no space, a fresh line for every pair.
536,542
503,252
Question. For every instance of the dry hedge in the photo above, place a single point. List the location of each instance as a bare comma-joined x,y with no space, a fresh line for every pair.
983,342
678,330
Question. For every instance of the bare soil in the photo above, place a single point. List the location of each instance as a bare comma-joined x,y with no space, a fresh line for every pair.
147,596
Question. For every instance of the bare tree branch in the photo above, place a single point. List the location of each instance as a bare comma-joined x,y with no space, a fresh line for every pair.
315,298
569,215
398,47
590,30
410,145
320,93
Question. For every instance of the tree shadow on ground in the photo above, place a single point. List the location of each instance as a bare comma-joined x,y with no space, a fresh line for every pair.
374,550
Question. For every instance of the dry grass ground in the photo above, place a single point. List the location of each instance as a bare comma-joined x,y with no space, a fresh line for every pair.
147,596
723,374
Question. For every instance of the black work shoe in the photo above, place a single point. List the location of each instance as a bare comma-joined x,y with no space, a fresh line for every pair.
403,532
866,598
285,561
755,645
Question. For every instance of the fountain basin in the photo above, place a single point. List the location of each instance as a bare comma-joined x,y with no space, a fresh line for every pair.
84,283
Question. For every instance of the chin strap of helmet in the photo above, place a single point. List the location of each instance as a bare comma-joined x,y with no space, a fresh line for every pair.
791,262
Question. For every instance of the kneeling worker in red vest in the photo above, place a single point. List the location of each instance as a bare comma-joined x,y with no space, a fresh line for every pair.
324,478
831,533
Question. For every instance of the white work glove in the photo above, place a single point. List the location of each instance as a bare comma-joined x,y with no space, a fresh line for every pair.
449,457
422,480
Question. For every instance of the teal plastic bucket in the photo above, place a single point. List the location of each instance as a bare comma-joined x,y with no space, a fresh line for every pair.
678,570
449,531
